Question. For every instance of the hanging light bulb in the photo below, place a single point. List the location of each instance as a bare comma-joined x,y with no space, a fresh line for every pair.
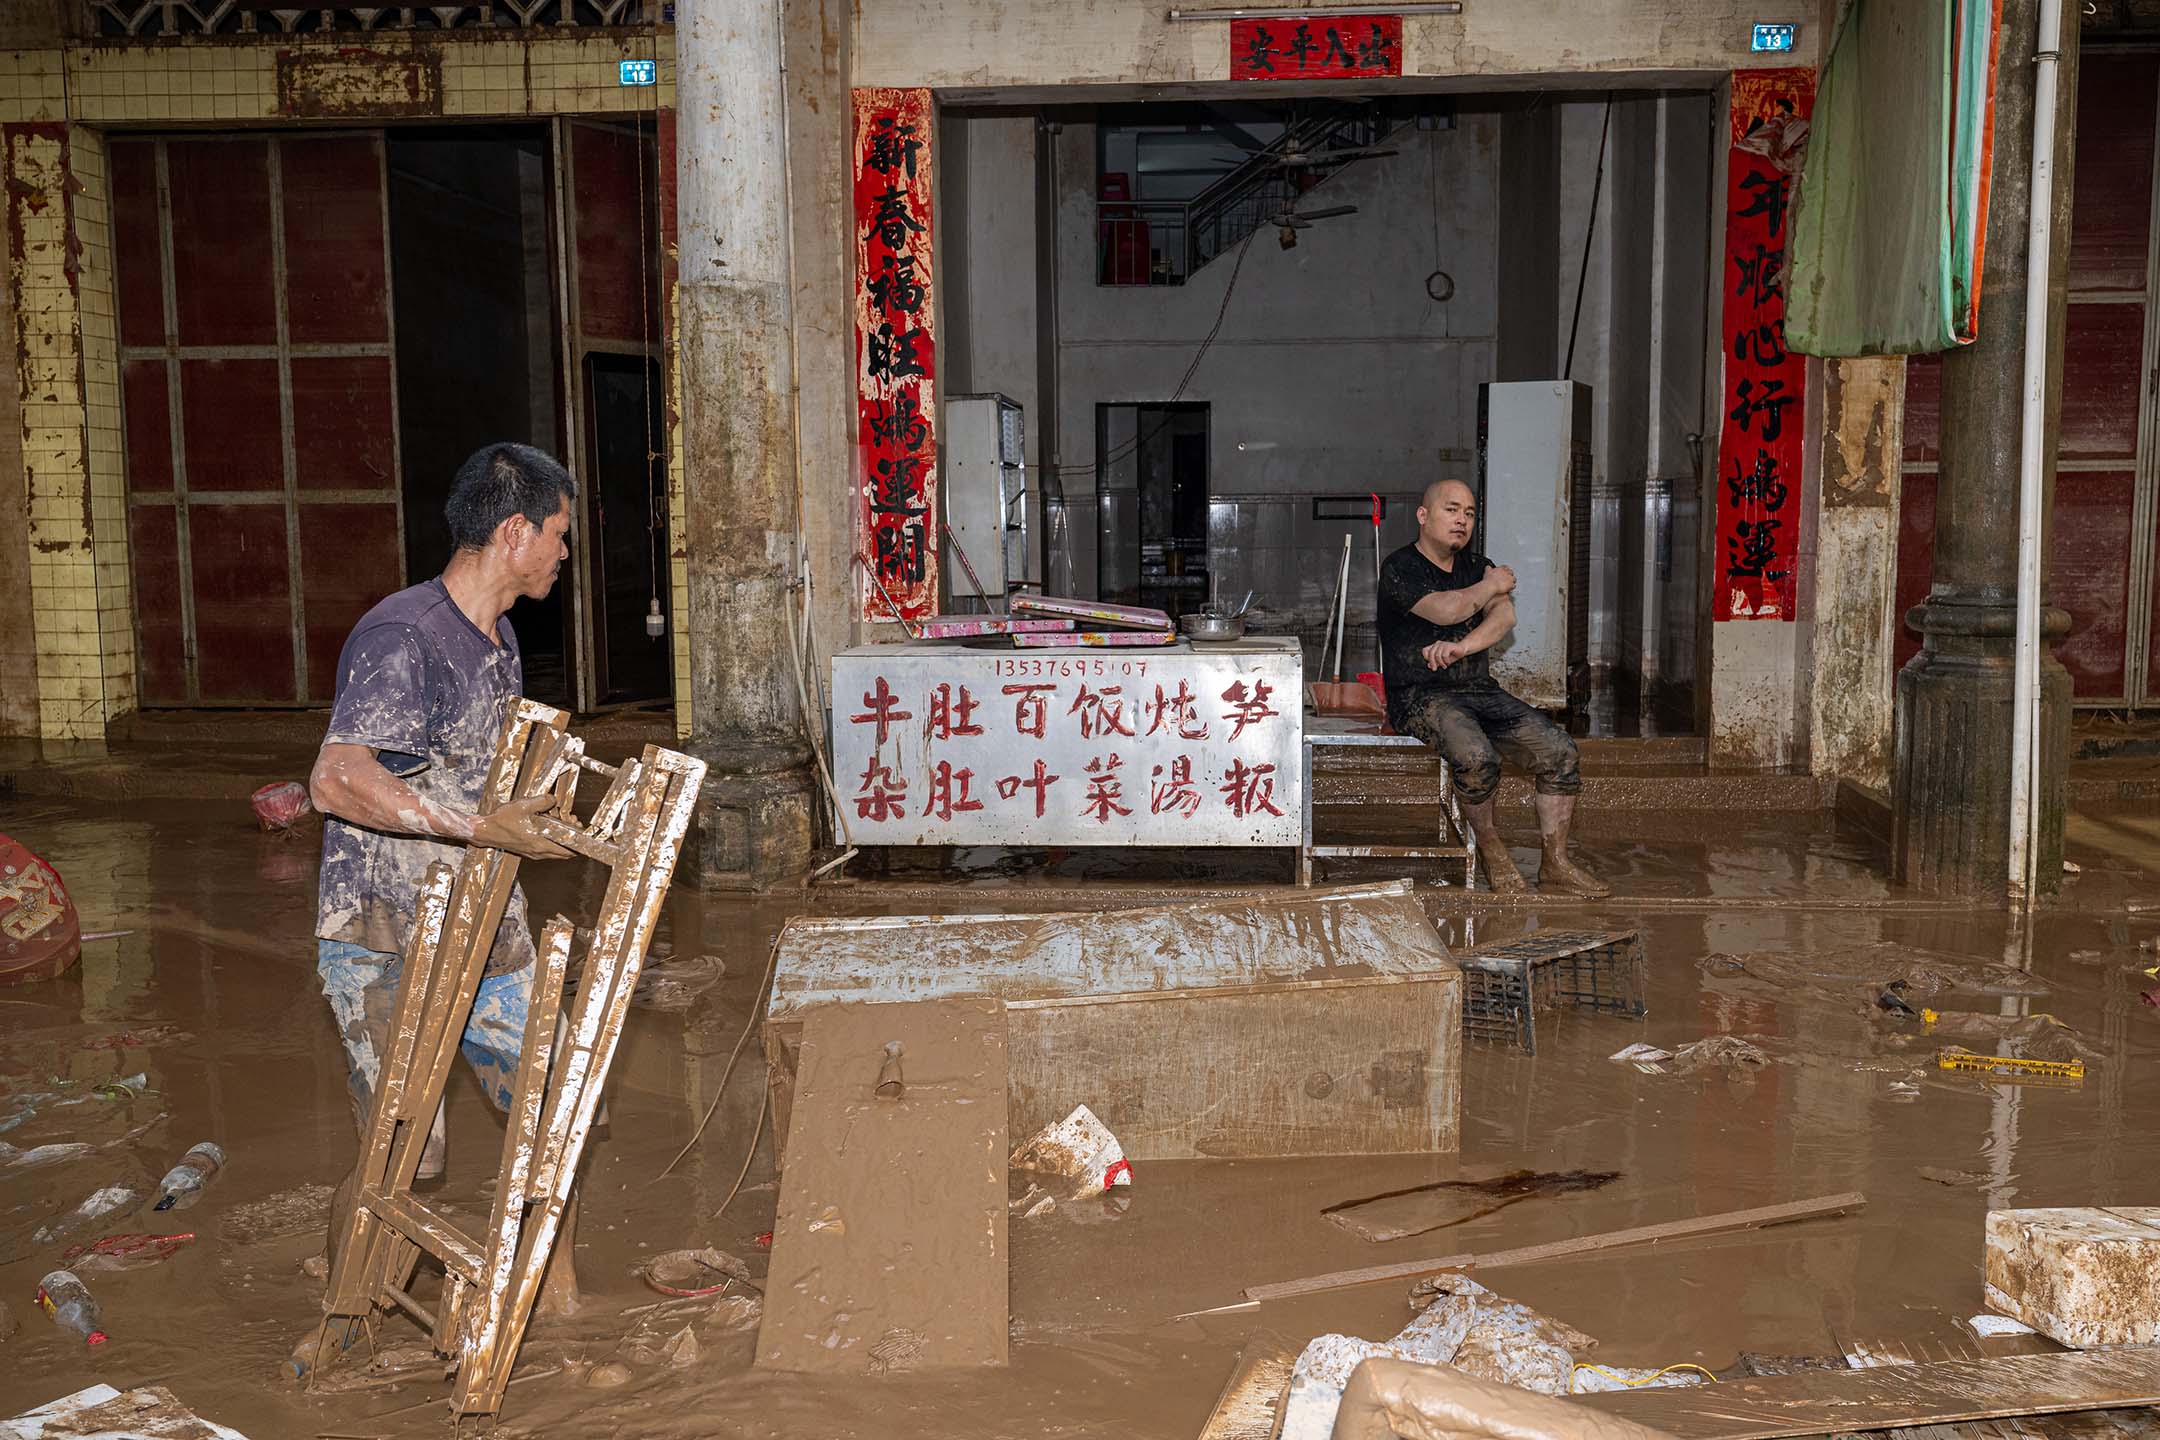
655,622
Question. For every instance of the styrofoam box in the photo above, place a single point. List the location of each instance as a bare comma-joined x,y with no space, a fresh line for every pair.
2086,1277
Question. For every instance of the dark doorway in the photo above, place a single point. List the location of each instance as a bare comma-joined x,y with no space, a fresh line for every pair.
611,185
629,509
1153,505
476,342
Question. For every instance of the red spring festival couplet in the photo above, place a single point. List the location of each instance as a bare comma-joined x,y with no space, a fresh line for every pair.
1763,393
1322,46
897,527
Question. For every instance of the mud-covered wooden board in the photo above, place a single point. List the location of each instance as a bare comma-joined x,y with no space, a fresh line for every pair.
889,1246
1845,1402
1370,1066
1301,935
1250,1406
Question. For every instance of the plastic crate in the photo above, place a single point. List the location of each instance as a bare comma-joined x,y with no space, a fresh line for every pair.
1505,985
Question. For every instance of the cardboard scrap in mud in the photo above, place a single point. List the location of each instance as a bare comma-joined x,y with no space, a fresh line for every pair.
1424,1208
889,1242
103,1413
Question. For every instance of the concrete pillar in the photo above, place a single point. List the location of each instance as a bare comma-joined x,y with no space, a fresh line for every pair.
741,494
1853,628
1950,829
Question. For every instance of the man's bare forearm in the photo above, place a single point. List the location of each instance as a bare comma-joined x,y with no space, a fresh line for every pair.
349,783
1452,607
1499,619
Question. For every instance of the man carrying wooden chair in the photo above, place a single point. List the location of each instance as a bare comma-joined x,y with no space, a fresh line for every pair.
1442,607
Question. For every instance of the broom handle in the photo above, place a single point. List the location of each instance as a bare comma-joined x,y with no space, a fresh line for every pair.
1379,650
1342,601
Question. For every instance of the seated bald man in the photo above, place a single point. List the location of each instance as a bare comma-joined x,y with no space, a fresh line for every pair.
1442,609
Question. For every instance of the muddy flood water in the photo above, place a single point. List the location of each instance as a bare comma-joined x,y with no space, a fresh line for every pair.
213,998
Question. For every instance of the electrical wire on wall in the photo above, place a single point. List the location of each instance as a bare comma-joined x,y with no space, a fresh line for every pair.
802,641
1582,276
648,302
1222,312
1439,285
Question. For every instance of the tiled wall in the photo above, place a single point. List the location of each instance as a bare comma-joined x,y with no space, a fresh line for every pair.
303,77
68,373
53,104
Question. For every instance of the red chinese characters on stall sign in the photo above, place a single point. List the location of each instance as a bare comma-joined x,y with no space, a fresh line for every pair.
1764,403
896,356
950,714
1316,47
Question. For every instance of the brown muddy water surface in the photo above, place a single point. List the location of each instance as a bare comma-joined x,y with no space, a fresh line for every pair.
217,982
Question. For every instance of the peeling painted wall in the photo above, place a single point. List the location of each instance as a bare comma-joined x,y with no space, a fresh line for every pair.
18,632
1855,618
66,368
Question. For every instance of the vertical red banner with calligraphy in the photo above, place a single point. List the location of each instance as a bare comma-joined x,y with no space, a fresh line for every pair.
895,356
1764,388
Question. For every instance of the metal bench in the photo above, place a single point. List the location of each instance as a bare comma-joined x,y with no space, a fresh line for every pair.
1455,842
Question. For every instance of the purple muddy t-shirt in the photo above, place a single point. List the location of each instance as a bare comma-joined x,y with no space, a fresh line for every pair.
420,685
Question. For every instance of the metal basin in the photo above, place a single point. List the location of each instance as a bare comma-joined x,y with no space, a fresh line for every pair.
1202,626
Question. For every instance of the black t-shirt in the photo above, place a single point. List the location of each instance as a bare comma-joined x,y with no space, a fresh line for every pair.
1406,578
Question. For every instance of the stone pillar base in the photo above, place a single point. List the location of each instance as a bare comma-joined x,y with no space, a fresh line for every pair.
1950,830
755,831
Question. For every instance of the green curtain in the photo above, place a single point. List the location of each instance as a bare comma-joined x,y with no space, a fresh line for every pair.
1891,213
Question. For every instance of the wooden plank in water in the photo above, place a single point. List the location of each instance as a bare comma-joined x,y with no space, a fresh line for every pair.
1938,1393
1697,1227
1370,1066
889,1247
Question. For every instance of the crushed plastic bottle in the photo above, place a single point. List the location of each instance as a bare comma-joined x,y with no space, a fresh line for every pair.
70,1305
111,1200
184,1183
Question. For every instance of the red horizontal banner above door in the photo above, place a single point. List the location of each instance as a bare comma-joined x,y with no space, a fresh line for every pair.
1316,47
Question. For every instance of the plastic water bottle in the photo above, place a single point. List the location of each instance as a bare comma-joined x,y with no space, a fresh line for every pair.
71,1305
183,1184
110,1200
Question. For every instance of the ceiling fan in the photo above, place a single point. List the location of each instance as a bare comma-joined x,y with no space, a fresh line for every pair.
1296,159
1289,222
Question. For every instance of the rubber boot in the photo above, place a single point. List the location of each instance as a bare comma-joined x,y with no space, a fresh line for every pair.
1555,814
434,1152
559,1298
1500,871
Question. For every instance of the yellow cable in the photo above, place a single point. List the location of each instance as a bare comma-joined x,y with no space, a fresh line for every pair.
1637,1384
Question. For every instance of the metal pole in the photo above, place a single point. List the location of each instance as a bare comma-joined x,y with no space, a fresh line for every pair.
2032,474
1342,599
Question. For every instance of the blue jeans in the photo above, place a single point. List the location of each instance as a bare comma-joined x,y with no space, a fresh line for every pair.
1471,725
361,986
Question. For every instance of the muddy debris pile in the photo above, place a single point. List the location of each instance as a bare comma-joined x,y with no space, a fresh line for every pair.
1863,974
1463,1326
79,1175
